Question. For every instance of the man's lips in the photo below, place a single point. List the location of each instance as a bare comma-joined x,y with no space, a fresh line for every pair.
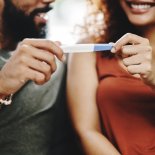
40,11
40,15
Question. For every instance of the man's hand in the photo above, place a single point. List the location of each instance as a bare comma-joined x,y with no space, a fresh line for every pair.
136,54
33,59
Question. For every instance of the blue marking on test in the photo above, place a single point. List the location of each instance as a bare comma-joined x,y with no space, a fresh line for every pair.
103,47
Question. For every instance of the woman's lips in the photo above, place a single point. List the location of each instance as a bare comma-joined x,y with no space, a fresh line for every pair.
140,6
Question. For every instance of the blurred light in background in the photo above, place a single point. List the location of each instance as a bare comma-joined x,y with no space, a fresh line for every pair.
66,14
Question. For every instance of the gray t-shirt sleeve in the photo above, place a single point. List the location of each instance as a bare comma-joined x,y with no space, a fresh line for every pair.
36,123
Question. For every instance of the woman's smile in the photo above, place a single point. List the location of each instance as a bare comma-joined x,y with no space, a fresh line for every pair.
139,12
139,7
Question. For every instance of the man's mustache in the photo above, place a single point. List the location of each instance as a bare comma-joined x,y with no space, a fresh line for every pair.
41,10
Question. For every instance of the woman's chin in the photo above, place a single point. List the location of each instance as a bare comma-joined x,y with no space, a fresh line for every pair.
141,21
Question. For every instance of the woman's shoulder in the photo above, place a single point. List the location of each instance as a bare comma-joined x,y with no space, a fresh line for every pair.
86,40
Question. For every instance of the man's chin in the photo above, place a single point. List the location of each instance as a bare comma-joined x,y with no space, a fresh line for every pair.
42,31
41,26
17,26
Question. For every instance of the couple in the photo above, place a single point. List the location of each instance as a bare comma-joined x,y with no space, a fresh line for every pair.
112,109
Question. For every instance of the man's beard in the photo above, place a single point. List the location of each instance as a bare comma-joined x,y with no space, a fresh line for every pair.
17,25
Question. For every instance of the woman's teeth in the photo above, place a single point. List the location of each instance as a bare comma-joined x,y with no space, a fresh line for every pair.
140,6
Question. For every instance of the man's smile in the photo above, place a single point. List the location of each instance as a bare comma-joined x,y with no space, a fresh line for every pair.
40,15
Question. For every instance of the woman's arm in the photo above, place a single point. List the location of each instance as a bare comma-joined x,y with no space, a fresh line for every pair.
82,83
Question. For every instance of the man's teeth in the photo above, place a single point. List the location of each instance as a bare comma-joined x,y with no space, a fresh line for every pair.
42,15
140,6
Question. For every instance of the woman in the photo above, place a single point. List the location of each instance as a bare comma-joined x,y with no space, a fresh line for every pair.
111,106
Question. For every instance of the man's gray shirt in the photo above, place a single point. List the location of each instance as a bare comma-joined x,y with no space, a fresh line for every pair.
36,123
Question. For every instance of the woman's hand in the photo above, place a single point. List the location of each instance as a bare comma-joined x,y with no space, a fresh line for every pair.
33,59
136,53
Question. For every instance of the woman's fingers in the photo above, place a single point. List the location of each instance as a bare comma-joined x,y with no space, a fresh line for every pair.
135,49
141,69
137,59
129,38
136,54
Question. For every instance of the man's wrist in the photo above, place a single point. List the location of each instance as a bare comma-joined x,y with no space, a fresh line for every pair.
5,99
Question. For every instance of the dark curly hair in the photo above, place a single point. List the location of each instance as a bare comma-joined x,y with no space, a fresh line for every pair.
115,23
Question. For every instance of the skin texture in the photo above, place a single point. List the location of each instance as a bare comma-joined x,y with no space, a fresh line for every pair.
136,59
139,56
139,19
29,6
134,55
32,59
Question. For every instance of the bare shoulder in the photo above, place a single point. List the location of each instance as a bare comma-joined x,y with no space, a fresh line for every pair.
87,40
82,58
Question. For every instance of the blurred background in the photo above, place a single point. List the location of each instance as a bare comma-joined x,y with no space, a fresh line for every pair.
63,19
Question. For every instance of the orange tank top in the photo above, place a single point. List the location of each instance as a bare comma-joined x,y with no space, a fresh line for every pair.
127,108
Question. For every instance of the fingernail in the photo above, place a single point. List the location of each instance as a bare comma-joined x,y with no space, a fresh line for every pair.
113,50
63,59
58,43
111,43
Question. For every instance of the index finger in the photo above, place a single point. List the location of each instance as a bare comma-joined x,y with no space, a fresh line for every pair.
129,38
46,45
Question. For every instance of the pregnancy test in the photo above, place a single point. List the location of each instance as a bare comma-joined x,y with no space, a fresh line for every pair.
82,48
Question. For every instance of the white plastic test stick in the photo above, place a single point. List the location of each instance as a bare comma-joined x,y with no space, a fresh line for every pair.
82,48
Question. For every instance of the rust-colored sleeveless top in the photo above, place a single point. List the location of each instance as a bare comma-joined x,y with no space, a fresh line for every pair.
127,108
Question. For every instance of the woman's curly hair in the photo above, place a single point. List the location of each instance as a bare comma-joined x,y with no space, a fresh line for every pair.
113,23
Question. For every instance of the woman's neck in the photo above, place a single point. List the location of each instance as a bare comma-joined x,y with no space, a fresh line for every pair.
149,33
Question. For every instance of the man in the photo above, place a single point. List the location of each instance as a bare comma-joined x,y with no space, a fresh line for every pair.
36,122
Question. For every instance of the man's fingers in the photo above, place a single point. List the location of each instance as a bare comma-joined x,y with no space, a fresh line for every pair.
46,45
42,55
58,43
129,39
37,77
41,66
